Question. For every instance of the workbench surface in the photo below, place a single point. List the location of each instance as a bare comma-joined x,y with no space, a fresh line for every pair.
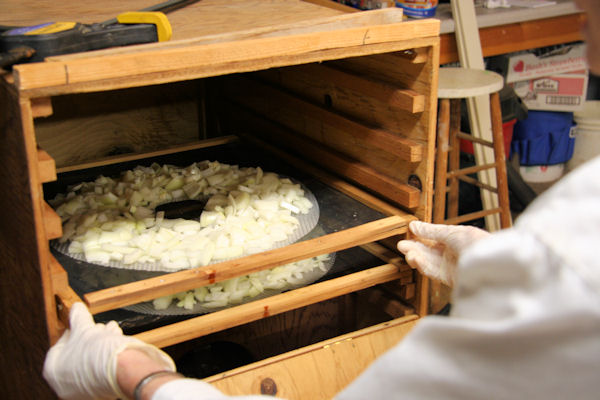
488,17
502,30
216,16
206,17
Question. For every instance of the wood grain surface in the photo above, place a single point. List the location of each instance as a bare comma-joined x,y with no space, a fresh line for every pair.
526,35
273,305
157,63
24,285
92,126
79,110
205,17
319,371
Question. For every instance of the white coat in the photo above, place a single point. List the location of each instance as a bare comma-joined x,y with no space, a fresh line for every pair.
525,318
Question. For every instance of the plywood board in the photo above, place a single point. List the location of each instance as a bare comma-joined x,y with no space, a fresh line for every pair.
319,371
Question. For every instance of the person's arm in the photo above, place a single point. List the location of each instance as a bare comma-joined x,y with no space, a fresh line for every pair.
525,310
93,360
133,366
96,361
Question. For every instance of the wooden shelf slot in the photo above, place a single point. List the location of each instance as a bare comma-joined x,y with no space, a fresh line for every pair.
393,96
404,149
64,295
41,107
132,157
415,56
217,321
398,192
386,255
52,222
149,289
408,291
46,166
58,275
330,180
386,302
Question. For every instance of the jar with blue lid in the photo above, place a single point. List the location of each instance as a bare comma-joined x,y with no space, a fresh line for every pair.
418,8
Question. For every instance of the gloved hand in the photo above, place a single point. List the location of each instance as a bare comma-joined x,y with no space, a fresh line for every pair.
435,249
83,363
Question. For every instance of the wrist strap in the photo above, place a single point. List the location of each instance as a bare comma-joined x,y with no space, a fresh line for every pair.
137,392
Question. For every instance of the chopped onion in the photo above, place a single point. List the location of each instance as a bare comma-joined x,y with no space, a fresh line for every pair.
247,211
236,290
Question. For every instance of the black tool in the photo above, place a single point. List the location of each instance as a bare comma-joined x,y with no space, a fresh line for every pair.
35,43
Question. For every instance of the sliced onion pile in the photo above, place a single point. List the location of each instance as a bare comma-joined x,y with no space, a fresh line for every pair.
239,289
247,211
112,221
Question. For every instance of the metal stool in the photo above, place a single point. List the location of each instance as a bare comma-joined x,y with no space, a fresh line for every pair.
456,84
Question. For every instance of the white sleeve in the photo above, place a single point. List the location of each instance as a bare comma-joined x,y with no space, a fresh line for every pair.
195,389
525,319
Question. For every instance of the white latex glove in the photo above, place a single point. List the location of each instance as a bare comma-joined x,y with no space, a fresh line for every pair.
83,363
435,249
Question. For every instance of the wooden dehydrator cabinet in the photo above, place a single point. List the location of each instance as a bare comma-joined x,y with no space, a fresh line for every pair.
344,102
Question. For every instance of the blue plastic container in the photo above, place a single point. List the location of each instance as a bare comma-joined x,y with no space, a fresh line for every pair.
418,8
544,138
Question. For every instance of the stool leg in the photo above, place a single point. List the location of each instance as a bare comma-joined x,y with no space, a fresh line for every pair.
500,159
454,160
441,162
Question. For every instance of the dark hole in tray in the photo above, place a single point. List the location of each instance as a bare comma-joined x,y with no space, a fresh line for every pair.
186,209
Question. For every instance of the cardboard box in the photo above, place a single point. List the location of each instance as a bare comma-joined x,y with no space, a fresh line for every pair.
560,92
555,81
523,67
